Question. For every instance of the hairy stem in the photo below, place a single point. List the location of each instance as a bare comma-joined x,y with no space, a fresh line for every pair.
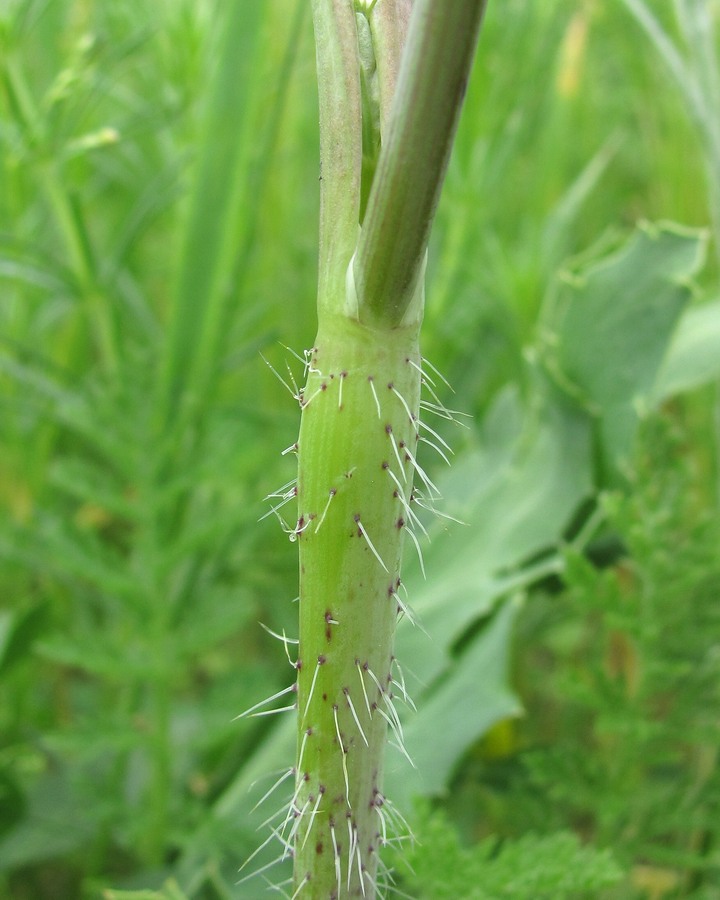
360,407
357,439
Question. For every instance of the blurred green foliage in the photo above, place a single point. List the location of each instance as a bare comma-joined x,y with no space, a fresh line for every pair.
158,220
553,866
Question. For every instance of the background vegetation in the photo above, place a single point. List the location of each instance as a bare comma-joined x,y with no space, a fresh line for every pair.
158,221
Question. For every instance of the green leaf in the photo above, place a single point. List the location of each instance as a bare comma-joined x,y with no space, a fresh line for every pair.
212,232
616,319
12,802
547,867
18,632
473,698
51,828
693,358
516,492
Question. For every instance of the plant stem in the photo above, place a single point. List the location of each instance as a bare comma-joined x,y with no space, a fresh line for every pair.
354,483
67,217
338,71
360,410
160,789
388,25
426,107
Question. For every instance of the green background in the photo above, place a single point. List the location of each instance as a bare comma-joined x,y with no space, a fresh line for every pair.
158,232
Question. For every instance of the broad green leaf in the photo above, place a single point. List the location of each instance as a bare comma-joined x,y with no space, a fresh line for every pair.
616,319
693,358
516,492
474,697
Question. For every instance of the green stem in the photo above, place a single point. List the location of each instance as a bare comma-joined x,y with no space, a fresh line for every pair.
67,218
81,257
338,70
431,86
160,790
388,26
360,413
357,440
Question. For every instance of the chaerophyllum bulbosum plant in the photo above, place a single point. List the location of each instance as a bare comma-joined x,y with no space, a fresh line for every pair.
391,77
